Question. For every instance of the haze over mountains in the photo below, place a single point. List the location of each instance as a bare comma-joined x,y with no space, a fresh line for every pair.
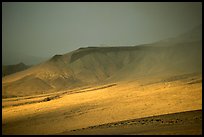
10,69
95,65
8,59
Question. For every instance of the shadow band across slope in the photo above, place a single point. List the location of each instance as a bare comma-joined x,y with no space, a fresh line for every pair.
189,122
45,98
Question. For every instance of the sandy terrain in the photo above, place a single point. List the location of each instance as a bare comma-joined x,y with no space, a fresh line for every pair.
62,112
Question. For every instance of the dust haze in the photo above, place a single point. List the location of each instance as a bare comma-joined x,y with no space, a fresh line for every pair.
34,32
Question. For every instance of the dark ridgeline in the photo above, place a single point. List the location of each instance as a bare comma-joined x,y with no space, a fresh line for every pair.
10,69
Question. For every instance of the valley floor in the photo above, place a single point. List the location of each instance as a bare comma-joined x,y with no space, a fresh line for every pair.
65,111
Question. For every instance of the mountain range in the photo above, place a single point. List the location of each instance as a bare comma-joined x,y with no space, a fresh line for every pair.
98,65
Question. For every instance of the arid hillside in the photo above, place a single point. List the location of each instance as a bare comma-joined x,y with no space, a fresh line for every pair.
65,111
99,65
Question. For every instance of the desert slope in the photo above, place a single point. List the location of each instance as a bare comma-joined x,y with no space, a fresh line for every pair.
64,112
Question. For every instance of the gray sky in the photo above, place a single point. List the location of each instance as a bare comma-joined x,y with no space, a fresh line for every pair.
34,31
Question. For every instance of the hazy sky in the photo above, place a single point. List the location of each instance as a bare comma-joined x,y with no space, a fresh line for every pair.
41,30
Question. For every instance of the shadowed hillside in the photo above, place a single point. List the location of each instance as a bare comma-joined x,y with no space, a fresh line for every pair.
10,69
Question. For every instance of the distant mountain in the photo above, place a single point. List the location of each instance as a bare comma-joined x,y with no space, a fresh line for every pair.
10,69
91,65
14,57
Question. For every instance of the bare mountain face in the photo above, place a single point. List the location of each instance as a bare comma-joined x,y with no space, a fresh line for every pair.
10,69
84,66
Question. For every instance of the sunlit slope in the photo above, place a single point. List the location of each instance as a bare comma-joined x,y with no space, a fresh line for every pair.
90,65
101,104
